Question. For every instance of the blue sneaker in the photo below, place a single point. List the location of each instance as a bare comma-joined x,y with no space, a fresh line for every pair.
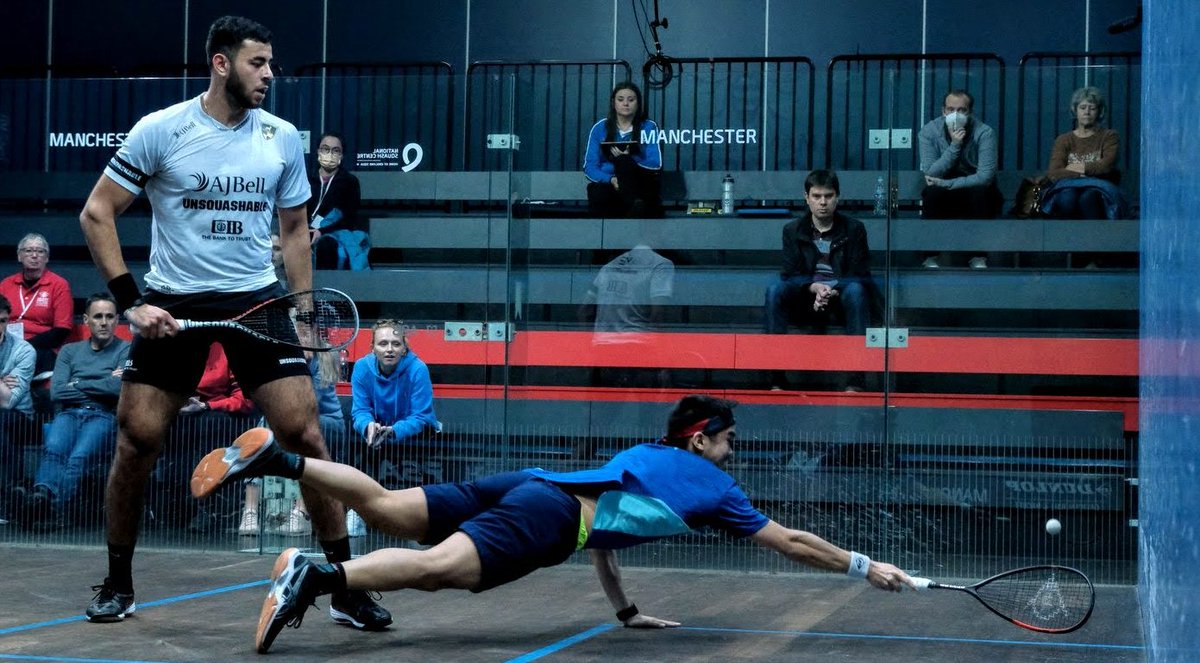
288,598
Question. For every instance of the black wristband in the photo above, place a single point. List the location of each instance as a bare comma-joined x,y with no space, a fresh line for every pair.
626,614
125,290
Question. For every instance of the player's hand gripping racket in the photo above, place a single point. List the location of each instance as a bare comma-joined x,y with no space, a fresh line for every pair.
1046,599
318,320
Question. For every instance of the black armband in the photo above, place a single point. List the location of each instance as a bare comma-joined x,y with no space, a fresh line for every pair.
626,614
125,290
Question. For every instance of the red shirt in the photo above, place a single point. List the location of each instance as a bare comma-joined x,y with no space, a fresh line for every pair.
217,386
45,306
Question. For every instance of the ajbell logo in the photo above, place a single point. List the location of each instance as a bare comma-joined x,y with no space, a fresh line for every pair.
227,184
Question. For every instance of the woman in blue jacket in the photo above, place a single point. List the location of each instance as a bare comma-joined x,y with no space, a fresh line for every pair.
623,171
392,394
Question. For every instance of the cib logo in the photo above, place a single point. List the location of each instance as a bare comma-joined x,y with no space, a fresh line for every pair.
227,184
226,227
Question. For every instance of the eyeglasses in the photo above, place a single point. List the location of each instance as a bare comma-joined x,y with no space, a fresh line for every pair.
34,251
324,149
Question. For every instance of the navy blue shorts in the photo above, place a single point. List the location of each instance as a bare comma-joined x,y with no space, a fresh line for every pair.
519,523
175,364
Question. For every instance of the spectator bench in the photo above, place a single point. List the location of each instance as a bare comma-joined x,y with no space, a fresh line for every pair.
31,189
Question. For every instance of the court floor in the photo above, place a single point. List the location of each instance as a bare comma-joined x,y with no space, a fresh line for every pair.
203,607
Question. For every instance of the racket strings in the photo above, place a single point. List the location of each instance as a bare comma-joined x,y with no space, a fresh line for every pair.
315,319
1043,598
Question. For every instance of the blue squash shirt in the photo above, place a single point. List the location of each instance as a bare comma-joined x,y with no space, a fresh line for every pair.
653,491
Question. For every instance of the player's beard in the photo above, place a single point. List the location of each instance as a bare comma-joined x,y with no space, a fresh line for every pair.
236,92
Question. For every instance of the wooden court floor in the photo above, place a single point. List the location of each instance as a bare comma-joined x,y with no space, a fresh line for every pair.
203,607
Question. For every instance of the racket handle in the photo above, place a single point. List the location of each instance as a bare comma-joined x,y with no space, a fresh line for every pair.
921,583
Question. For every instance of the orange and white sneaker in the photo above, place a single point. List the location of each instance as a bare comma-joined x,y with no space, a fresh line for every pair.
253,454
290,595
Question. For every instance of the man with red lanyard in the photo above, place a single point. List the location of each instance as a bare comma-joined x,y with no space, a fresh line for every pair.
41,301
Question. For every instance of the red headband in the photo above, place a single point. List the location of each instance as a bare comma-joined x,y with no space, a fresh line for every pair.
710,426
697,427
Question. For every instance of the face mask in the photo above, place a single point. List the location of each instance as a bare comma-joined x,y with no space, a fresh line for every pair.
329,161
956,121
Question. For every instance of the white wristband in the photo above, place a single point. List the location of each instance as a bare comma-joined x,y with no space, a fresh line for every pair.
859,565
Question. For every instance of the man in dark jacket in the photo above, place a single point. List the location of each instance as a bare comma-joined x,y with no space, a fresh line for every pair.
826,266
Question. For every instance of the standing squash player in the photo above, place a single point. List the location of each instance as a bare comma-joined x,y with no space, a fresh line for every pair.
216,168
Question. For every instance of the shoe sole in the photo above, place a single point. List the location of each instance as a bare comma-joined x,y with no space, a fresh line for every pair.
110,619
212,470
346,620
268,624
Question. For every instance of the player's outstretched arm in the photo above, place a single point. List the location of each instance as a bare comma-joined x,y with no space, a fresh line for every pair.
809,549
605,562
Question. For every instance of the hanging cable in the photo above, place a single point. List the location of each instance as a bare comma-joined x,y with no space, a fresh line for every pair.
658,70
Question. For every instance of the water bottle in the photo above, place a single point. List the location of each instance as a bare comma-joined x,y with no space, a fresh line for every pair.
727,194
880,198
344,365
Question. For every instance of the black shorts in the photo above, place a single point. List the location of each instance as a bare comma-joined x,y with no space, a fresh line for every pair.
518,523
176,364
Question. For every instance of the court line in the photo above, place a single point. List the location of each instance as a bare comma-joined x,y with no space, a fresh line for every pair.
561,644
917,638
150,604
68,659
567,642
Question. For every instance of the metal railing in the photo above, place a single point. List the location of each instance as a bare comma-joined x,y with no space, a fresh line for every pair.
382,105
1045,82
866,92
554,105
55,119
771,96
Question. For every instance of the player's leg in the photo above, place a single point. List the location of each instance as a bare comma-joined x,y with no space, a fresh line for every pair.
500,528
144,413
291,411
256,453
279,381
296,582
155,384
452,564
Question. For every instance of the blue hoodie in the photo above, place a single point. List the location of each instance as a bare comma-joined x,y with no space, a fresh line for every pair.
402,400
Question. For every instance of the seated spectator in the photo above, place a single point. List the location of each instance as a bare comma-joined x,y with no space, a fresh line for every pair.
392,396
1083,165
324,369
16,405
958,155
85,387
277,259
826,273
623,172
43,310
626,301
339,236
216,411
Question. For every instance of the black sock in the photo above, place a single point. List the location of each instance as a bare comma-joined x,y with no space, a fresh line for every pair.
293,466
330,578
120,568
337,551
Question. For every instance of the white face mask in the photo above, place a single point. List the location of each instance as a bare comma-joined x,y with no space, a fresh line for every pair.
329,161
956,121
